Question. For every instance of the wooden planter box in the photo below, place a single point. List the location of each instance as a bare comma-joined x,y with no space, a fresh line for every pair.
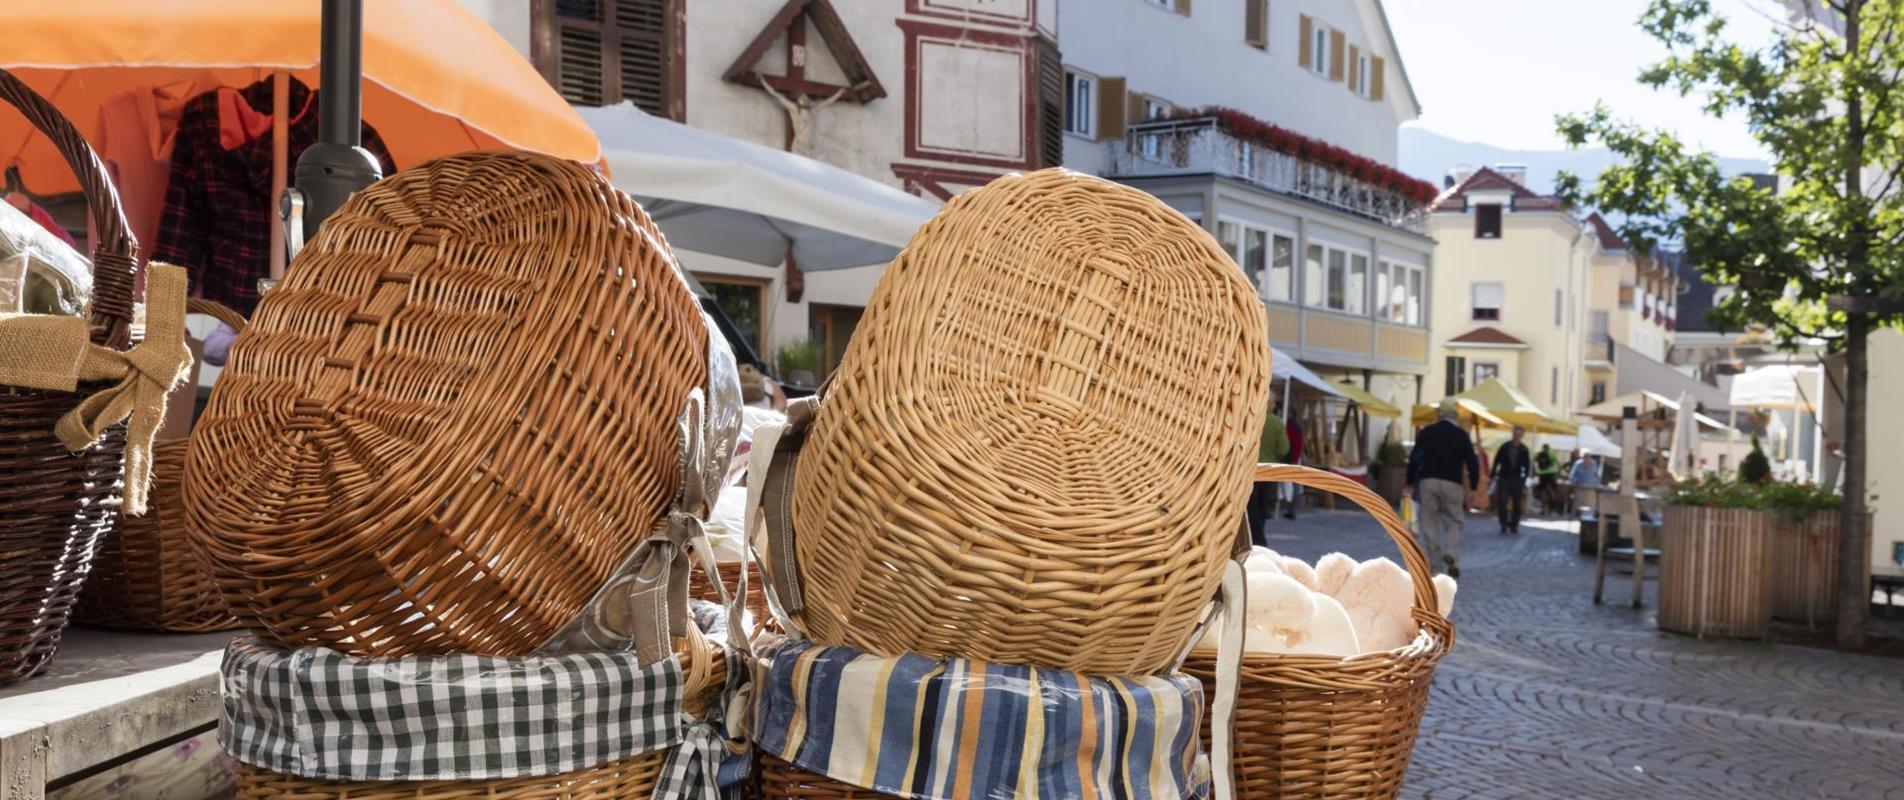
1389,482
1805,568
1715,572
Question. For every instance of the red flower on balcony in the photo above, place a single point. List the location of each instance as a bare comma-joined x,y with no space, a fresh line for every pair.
1283,140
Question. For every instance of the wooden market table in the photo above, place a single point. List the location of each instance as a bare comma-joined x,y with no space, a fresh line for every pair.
109,697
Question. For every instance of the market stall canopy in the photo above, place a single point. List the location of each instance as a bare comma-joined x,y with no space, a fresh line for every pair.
1508,406
437,79
1779,386
1643,400
1285,368
723,196
1590,439
1370,404
1468,412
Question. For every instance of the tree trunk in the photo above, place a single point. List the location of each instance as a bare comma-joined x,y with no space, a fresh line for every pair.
1853,597
1854,548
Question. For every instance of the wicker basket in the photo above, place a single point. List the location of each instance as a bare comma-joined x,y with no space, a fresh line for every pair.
1038,439
455,418
629,779
56,504
700,588
145,576
1325,728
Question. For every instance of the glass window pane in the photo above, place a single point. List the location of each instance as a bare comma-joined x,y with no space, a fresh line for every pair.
1226,234
1282,269
1338,266
1254,247
1357,287
1383,303
1312,276
1414,296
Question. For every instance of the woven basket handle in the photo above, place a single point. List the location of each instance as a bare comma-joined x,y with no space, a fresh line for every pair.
1418,570
216,310
115,252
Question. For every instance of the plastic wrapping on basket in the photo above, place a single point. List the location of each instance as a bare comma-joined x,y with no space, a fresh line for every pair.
644,603
39,274
954,729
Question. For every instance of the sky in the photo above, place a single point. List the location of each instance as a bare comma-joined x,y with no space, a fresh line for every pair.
1499,71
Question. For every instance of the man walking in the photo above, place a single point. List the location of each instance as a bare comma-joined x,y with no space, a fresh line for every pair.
1435,472
1511,466
1273,448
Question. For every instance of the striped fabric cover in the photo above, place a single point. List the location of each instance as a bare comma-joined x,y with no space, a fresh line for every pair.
917,727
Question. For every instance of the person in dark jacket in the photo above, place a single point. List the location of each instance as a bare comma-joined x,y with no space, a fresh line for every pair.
1512,464
1443,460
1291,493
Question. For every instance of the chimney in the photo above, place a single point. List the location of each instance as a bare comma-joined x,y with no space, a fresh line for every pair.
1514,172
1456,175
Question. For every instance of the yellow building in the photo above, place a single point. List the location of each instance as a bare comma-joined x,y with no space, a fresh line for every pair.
1633,301
1510,294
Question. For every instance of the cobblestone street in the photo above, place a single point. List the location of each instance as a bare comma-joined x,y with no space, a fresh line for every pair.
1549,696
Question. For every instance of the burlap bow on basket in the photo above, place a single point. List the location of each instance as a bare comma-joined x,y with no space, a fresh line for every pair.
56,353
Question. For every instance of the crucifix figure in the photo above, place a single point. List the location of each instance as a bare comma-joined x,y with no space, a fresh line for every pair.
800,117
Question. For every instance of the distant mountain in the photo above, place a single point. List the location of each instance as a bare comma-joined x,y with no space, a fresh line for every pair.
1429,155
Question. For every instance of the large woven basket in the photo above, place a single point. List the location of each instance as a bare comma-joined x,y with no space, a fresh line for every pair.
56,504
454,419
145,576
629,779
1326,728
1039,438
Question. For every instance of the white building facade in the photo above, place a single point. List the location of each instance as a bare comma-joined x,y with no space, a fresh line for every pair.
1279,137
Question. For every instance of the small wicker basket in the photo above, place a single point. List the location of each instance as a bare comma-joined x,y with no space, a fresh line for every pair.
1324,728
629,779
145,576
55,504
1038,439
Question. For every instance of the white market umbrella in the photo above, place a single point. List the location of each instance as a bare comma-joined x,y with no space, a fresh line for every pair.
1284,367
1682,460
716,194
1779,386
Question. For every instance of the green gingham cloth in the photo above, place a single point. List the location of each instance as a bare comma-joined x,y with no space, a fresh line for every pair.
316,713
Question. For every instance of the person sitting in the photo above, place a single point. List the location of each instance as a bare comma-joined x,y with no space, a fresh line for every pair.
1547,470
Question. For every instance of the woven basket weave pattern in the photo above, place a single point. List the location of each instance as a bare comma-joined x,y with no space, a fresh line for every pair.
1326,728
455,417
1040,436
56,505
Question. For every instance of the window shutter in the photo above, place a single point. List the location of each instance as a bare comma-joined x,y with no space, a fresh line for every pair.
1133,108
1183,7
1111,116
1355,67
1256,22
1380,68
1050,105
1305,50
1337,43
641,28
577,63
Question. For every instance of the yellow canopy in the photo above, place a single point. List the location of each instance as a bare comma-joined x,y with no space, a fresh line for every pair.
437,80
1370,404
1468,412
1502,406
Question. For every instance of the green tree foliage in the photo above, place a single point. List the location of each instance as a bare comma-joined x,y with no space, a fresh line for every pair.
1825,98
1755,467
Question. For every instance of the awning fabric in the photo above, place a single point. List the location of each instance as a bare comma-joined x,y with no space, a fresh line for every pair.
1370,404
1506,406
1285,368
720,195
1614,408
1779,386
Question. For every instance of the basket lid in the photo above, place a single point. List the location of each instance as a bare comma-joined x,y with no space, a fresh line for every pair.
455,418
1045,419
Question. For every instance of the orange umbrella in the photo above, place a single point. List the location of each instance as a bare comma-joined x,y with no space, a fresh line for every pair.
437,79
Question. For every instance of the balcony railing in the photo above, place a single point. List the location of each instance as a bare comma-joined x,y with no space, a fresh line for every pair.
1191,146
1600,349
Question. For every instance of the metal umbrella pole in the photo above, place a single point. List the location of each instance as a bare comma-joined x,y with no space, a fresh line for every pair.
337,165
